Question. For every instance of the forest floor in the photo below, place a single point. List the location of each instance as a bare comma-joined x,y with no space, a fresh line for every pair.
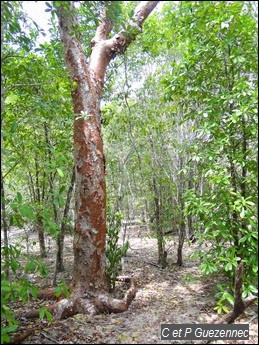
173,295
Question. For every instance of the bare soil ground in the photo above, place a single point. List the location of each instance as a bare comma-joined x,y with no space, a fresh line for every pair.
173,295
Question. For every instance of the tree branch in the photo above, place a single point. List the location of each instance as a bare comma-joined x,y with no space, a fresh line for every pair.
104,27
104,50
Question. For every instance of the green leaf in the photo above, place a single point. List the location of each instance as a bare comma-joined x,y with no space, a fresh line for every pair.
58,291
19,197
31,266
27,212
4,337
248,202
229,298
60,172
62,189
14,126
225,309
56,201
218,308
61,201
228,266
48,316
242,239
11,328
42,312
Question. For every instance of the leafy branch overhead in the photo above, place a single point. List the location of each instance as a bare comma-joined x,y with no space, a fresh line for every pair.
103,48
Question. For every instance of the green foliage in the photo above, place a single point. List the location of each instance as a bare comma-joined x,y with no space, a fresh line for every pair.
62,289
44,313
37,119
8,321
19,287
17,28
20,213
213,81
114,252
34,264
223,296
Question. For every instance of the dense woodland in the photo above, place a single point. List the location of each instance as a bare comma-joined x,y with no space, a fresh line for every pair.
122,115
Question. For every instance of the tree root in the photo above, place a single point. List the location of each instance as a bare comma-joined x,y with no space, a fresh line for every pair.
90,303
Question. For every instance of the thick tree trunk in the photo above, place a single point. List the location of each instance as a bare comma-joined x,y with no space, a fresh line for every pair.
90,223
87,81
90,229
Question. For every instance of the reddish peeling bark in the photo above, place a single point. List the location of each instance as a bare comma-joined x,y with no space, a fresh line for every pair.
87,81
90,228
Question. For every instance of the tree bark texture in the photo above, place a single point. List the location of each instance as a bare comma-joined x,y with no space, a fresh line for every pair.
87,81
90,227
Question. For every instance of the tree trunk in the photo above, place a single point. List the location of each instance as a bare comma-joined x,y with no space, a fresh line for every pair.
180,245
181,234
39,227
87,82
39,223
162,255
60,239
239,304
90,193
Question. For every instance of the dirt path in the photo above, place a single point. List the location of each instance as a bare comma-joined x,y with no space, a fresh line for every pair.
173,295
